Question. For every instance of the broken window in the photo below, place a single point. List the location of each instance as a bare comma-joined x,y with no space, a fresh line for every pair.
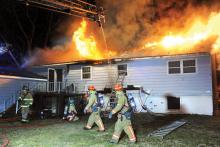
189,66
122,69
174,67
86,72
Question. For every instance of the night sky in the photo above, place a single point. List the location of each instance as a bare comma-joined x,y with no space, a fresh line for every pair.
27,27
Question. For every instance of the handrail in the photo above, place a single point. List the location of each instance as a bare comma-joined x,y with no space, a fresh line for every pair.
59,87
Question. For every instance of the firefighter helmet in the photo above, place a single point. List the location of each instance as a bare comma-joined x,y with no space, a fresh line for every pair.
91,87
118,87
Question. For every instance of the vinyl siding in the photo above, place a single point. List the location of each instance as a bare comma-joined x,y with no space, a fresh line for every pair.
151,74
102,76
10,91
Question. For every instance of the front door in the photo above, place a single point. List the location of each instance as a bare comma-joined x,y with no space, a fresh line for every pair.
51,80
59,79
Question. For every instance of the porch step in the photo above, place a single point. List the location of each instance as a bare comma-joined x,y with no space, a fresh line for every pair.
165,130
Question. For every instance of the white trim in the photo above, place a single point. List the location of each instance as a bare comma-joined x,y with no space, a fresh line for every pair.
91,73
23,78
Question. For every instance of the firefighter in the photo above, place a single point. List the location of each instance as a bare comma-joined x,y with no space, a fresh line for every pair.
124,117
26,101
70,111
96,110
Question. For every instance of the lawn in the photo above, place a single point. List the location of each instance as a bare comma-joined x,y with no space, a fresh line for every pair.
199,131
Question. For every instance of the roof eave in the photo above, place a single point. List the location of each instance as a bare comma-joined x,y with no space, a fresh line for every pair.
22,78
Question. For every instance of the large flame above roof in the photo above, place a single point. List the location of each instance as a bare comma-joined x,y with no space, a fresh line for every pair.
197,33
86,45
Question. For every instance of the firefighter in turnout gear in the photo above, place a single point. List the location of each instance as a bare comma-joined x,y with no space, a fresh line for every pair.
124,117
96,110
70,111
26,101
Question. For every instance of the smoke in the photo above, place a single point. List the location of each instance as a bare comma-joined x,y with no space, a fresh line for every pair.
126,22
130,24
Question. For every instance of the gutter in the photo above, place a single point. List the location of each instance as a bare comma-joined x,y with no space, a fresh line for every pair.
22,78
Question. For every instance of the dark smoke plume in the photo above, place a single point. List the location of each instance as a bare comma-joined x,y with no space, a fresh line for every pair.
131,23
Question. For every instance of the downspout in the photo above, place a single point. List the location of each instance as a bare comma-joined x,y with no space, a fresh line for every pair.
214,81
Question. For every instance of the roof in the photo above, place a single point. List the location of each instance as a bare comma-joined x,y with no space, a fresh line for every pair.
119,59
18,73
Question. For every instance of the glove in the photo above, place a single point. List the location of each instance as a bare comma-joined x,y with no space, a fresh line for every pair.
85,111
110,115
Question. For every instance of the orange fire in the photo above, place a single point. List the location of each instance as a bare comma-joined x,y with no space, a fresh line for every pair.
197,33
86,46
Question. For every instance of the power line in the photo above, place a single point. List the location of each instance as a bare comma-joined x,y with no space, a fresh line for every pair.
78,8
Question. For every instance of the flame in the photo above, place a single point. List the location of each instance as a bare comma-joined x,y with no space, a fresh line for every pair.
196,34
86,46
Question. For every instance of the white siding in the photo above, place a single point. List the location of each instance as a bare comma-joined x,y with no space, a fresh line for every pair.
102,76
10,89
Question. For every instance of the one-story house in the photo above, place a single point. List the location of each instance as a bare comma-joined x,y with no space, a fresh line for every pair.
12,78
186,78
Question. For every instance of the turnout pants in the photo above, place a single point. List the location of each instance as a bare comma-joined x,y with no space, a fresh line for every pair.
95,118
24,113
123,124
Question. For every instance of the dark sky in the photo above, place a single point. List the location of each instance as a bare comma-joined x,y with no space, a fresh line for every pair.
24,26
27,27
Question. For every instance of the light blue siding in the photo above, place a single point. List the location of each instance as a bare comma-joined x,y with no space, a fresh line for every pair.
151,73
10,90
194,89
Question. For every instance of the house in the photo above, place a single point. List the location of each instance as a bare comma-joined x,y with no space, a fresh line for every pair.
178,83
12,79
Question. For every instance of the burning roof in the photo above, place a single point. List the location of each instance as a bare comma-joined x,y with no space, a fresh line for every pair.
141,28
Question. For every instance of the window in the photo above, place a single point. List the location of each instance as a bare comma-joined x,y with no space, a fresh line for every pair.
122,69
189,66
86,72
182,66
174,67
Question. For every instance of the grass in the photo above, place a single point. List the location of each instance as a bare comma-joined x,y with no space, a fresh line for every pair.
200,130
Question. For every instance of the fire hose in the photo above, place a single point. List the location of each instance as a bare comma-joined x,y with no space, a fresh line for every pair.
144,107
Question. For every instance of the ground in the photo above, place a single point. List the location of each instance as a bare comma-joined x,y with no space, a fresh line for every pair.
199,131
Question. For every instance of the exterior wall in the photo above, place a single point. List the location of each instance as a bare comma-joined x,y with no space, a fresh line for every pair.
102,76
153,74
194,89
10,90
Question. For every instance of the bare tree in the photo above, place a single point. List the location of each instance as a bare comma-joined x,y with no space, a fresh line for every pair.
28,35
